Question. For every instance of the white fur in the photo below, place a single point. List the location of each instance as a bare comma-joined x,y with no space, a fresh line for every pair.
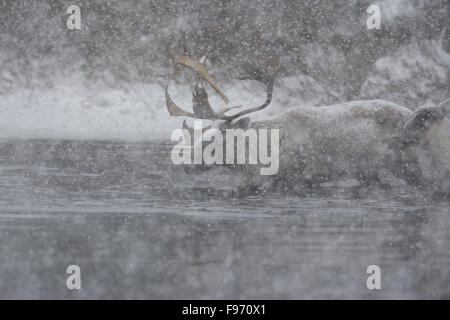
356,141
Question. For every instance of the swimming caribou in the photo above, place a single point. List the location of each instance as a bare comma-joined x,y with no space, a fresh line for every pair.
359,142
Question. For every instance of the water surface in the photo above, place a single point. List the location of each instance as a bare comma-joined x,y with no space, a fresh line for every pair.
140,227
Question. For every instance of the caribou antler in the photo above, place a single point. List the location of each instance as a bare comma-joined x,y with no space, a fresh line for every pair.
202,108
267,79
174,110
200,68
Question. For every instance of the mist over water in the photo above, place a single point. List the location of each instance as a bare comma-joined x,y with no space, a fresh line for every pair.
85,170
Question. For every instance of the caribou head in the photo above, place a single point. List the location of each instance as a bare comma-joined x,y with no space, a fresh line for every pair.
203,110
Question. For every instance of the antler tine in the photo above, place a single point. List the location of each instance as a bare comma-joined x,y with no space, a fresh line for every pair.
268,80
222,112
201,106
174,110
200,68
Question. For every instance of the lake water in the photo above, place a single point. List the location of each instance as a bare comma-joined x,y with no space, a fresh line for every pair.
140,227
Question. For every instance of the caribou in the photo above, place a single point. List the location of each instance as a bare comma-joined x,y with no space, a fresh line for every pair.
354,143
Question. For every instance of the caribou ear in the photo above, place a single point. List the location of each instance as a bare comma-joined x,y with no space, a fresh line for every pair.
423,119
243,123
